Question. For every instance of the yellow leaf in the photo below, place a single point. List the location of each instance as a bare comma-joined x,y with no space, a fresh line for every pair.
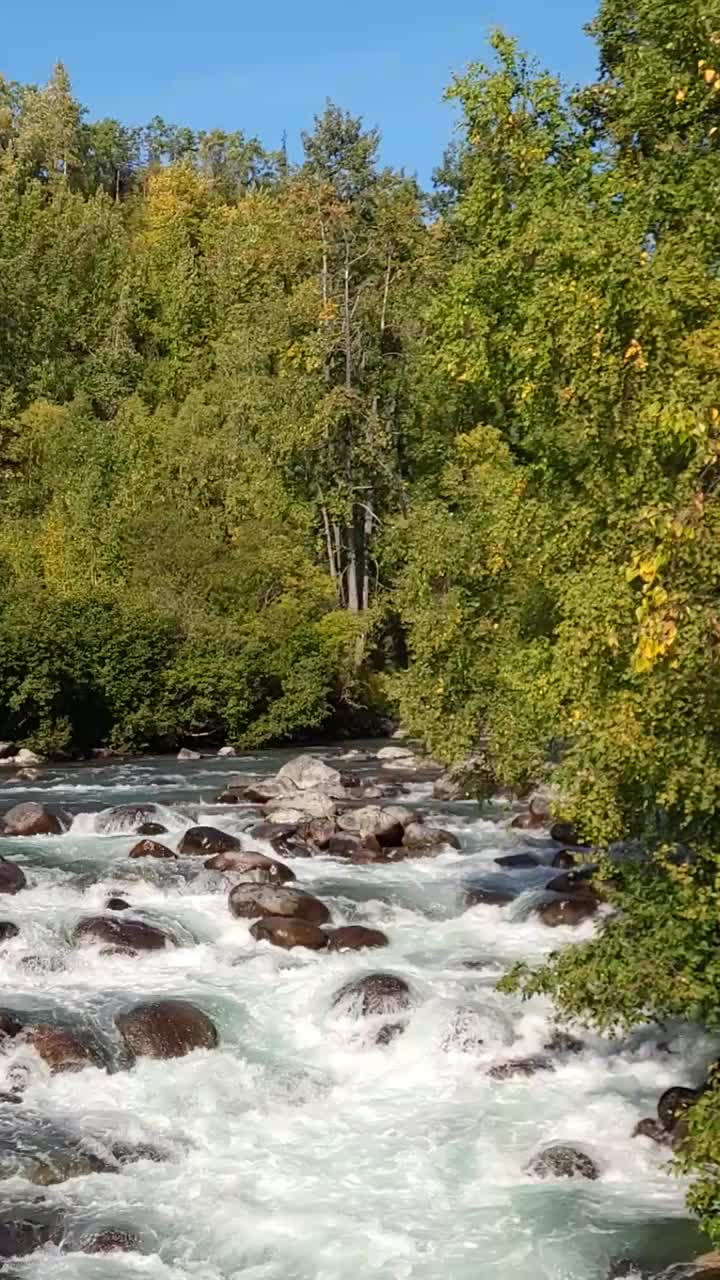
681,95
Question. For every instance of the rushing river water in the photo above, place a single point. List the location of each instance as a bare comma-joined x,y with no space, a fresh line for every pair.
300,1149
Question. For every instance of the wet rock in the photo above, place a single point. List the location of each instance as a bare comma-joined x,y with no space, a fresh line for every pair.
27,757
207,840
527,821
151,829
289,932
10,1026
479,896
108,953
417,836
386,825
674,1103
117,904
126,819
307,773
355,937
259,790
49,962
7,751
227,752
8,930
301,805
132,1153
229,797
274,831
251,901
651,1128
374,993
318,831
31,819
166,1029
567,911
254,868
574,883
26,1233
185,753
518,861
135,934
465,1030
389,1032
563,1042
560,1161
396,753
355,849
45,1162
12,877
520,1067
151,849
110,1241
564,833
60,1048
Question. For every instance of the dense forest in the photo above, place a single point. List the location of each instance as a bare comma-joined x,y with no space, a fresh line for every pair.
287,447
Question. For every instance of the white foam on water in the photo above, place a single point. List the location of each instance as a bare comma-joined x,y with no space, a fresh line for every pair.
301,1149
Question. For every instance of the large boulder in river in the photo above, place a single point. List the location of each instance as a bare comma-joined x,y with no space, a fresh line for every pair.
289,932
166,1029
8,929
374,993
479,895
151,849
418,836
355,937
302,804
31,819
126,819
207,840
387,825
135,934
254,868
567,911
307,773
60,1048
250,901
560,1161
12,877
674,1103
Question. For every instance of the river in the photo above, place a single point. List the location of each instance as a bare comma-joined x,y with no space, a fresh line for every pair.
300,1149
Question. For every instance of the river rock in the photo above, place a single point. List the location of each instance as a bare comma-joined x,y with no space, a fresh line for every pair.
7,751
374,993
479,896
674,1103
123,933
345,845
60,1048
227,752
386,825
27,757
355,937
560,1161
8,930
564,833
151,849
166,1029
527,821
520,1067
653,1129
471,779
255,868
111,1241
517,861
229,797
417,836
186,753
12,877
567,911
207,840
151,829
396,753
251,901
318,831
289,932
562,1042
563,860
126,819
10,1025
301,805
27,1231
117,904
307,773
31,819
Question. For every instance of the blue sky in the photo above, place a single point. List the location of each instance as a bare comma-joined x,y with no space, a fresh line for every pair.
268,67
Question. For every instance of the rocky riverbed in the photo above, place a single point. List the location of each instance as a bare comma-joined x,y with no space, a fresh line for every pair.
250,1028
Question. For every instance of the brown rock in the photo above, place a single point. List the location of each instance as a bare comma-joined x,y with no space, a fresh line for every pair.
564,833
355,937
289,932
128,819
251,901
31,819
375,993
674,1103
477,896
61,1049
651,1128
151,849
318,831
207,840
387,825
12,877
421,838
251,867
151,829
528,821
135,934
166,1029
567,911
111,1241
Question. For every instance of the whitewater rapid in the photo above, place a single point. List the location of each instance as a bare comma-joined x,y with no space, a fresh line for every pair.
300,1149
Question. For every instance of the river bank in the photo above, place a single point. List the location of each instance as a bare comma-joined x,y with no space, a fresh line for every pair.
307,1144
